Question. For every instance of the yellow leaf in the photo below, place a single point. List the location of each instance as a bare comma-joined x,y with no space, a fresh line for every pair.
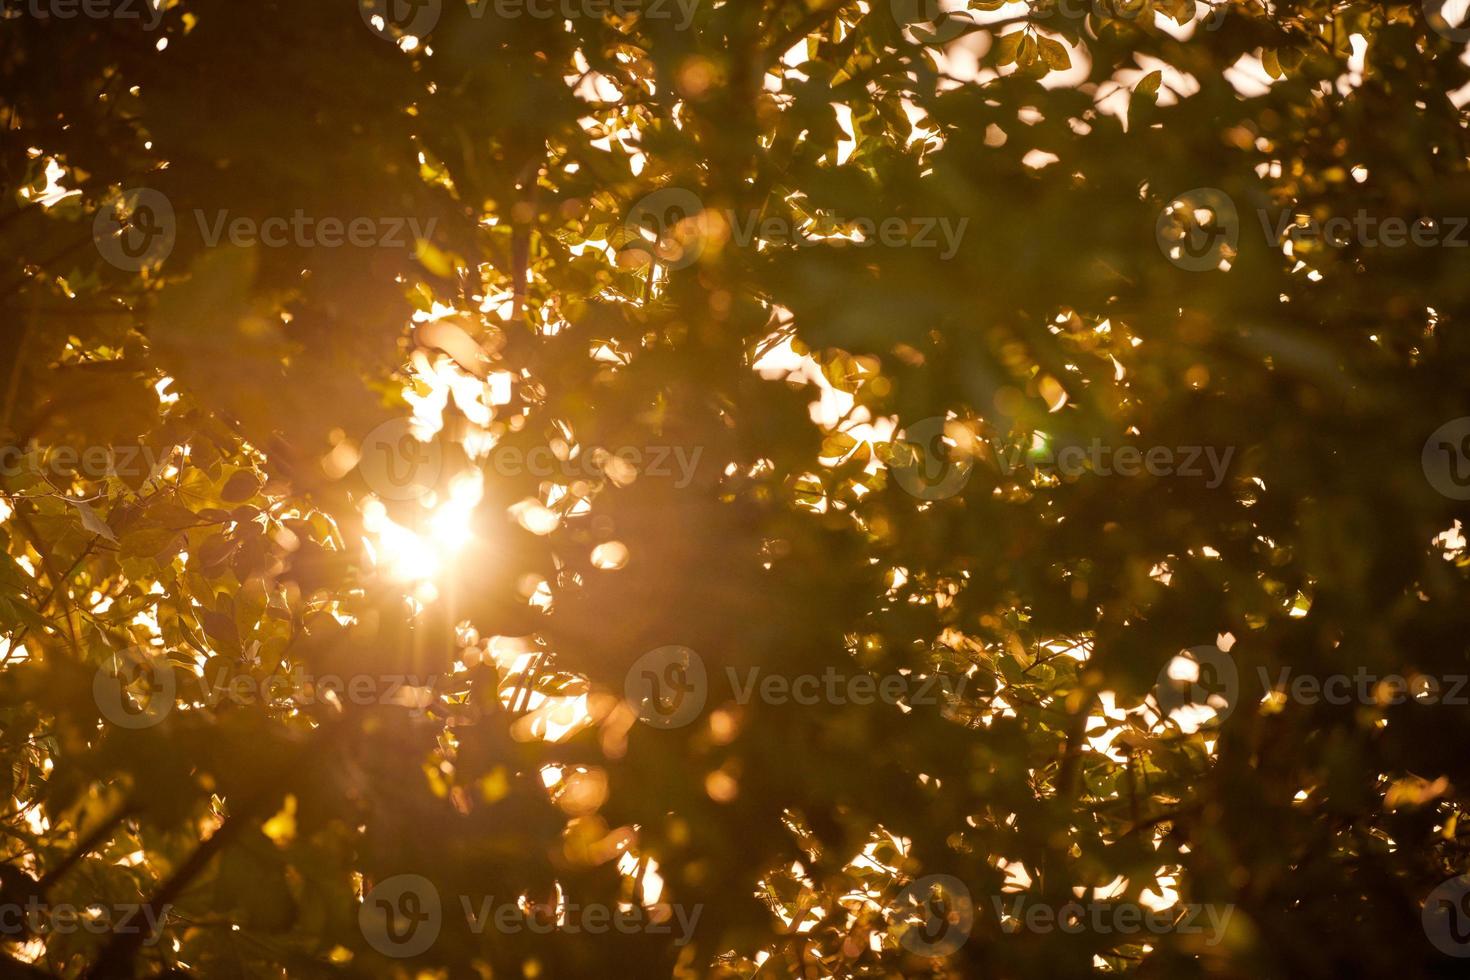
1054,53
282,827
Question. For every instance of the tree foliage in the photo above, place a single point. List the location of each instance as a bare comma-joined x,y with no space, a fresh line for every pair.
526,308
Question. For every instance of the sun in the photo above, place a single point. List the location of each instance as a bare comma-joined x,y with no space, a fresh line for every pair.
423,554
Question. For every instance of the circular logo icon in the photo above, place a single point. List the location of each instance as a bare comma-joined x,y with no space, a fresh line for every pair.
1203,677
667,686
396,465
937,914
134,688
393,19
401,916
1446,917
1216,16
135,228
666,226
1199,229
1434,16
1124,10
1446,459
929,21
922,464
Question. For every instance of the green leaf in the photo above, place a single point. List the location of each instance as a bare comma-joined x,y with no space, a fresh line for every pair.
1008,46
1026,54
240,487
1147,88
1054,53
93,523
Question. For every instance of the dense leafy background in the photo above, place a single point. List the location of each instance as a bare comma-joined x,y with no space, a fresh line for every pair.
792,549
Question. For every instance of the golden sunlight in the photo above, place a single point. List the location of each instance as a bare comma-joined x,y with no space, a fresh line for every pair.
420,556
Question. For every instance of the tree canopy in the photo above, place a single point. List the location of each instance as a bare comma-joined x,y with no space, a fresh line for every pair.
541,488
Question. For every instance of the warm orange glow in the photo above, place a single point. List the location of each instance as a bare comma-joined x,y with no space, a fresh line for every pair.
422,556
